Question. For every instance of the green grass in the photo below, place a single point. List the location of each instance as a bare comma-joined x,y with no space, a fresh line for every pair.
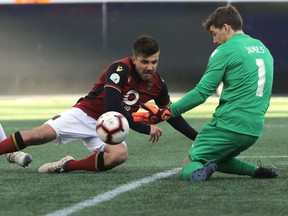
26,192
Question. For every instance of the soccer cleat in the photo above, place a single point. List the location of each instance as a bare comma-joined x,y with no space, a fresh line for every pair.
262,172
55,167
21,158
204,173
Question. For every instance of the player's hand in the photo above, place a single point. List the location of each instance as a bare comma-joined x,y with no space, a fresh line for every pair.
153,116
155,133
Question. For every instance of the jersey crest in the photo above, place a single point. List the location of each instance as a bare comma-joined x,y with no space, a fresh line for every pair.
115,78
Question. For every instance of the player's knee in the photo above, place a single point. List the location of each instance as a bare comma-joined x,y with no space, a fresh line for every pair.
114,156
122,154
119,156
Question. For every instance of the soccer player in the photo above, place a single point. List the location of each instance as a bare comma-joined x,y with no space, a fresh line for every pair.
122,87
245,66
21,158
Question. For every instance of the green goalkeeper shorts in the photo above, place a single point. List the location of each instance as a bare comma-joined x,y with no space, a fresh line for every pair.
218,144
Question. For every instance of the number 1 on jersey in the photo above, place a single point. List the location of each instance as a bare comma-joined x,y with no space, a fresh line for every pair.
261,77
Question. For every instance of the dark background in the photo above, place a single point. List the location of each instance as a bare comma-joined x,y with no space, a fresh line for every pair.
63,48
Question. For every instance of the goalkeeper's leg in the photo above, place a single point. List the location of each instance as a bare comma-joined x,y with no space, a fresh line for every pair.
240,167
220,146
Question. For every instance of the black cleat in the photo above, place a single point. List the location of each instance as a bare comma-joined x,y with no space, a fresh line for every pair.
204,173
262,172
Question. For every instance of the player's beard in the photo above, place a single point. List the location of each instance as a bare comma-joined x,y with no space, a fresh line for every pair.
147,75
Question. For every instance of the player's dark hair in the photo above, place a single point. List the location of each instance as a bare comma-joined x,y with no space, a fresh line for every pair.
224,15
145,45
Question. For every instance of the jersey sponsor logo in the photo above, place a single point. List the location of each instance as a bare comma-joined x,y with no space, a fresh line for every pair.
130,99
115,78
119,68
214,52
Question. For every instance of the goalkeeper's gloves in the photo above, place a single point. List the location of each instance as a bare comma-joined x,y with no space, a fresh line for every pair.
153,116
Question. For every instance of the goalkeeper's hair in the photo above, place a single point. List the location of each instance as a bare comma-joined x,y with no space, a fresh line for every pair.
145,45
224,15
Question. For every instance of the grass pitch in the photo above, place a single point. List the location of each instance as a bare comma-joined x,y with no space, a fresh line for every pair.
26,192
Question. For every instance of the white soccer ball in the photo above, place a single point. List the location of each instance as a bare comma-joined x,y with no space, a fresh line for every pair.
112,127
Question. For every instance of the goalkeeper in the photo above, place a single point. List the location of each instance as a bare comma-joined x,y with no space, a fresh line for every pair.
245,66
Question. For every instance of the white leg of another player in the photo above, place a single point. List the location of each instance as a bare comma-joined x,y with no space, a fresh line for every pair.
2,133
2,137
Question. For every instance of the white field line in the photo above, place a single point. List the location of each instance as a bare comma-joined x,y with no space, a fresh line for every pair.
276,126
275,156
113,193
127,187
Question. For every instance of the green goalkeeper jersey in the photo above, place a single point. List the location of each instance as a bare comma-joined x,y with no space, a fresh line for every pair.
245,66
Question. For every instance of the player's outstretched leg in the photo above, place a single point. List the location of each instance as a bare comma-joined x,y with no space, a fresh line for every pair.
21,158
204,173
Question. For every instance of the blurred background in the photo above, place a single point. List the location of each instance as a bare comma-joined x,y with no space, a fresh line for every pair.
63,48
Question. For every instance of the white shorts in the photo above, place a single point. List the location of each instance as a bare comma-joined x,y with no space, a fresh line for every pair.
74,124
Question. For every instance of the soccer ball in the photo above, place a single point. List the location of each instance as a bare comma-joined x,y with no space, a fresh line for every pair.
112,127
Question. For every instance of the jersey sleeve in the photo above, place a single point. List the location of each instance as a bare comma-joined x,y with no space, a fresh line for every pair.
181,125
116,75
214,73
164,98
206,87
